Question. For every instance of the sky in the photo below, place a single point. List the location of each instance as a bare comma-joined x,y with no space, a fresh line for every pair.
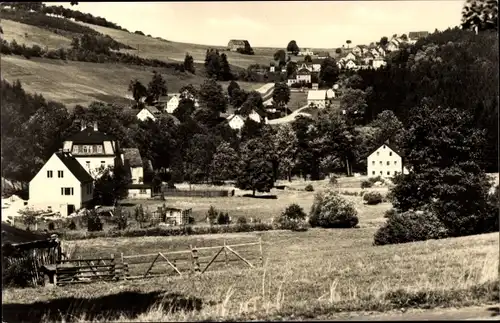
316,24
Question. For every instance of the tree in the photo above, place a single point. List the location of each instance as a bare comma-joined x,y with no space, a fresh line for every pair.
74,3
354,103
189,64
184,110
224,164
338,50
291,68
280,56
286,145
238,97
308,59
384,41
480,15
256,169
212,96
111,186
404,37
253,102
231,88
293,47
198,157
348,42
138,90
213,64
329,72
441,154
28,218
389,128
281,94
157,87
225,71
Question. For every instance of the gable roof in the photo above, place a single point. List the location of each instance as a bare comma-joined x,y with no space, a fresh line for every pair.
74,167
303,71
386,143
153,110
316,95
90,136
132,156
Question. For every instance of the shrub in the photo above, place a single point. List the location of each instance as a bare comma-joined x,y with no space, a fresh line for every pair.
309,188
330,210
212,215
94,222
366,184
72,225
334,180
410,226
242,220
51,226
294,212
121,218
372,198
223,218
291,219
19,272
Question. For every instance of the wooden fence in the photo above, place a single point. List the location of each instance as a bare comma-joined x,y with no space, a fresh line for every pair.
193,260
192,193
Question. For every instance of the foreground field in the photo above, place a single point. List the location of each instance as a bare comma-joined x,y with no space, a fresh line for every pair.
310,274
74,83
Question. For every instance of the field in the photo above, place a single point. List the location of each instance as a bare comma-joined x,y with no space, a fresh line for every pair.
31,35
74,83
297,100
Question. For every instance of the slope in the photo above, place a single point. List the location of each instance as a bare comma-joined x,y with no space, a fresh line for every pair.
31,35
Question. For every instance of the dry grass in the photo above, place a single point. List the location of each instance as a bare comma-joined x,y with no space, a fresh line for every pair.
31,35
74,83
308,274
297,100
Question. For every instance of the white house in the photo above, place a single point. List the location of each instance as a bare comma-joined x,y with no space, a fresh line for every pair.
173,103
360,50
304,75
379,62
306,52
133,162
330,94
385,162
148,112
350,64
257,117
348,57
375,52
236,121
61,185
291,81
317,98
93,149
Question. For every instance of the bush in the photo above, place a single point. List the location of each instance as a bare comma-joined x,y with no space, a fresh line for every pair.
330,210
242,220
121,219
366,184
410,226
372,198
72,225
212,215
334,180
94,222
18,273
309,188
291,219
294,212
223,218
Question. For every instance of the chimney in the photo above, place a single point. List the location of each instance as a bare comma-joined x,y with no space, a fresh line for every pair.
95,126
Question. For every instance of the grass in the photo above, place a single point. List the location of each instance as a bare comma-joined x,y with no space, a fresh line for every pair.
81,83
303,276
31,35
297,100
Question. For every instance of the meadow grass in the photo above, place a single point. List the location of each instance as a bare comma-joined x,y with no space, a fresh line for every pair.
31,35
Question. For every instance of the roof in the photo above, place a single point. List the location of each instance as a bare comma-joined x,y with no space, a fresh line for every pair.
316,95
132,156
238,42
90,136
400,153
152,109
74,167
417,34
11,234
303,71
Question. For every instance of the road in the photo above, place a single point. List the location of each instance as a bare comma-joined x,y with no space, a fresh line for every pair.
290,117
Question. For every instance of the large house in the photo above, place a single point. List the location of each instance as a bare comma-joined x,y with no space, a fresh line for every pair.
61,185
385,161
317,98
148,112
313,66
235,44
303,75
93,149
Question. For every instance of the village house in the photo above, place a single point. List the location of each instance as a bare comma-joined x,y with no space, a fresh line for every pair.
93,149
375,52
148,112
235,44
317,98
236,121
61,185
350,64
314,66
360,50
132,160
291,81
304,75
349,56
394,44
368,59
175,99
330,94
379,62
305,52
322,55
414,36
381,50
385,161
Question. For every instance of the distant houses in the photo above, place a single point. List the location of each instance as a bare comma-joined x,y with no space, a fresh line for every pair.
148,112
237,121
235,44
414,36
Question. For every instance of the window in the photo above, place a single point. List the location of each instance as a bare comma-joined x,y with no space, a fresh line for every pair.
60,174
89,189
380,162
388,163
67,191
49,174
373,162
395,162
388,173
99,149
84,148
76,149
378,153
143,191
390,153
395,172
383,147
103,162
88,163
380,172
373,172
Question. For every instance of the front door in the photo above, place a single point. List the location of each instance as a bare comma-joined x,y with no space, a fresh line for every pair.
71,209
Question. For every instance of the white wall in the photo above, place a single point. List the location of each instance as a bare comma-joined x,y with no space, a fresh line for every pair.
45,192
318,103
172,104
144,114
137,175
377,163
254,116
305,78
136,193
236,123
95,163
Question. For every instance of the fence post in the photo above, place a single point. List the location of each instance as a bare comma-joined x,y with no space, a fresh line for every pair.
194,253
260,248
112,267
225,251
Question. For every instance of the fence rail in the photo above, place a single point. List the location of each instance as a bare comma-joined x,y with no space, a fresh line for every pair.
192,193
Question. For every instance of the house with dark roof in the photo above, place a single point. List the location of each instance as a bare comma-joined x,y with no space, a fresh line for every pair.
148,112
61,185
93,149
385,161
132,160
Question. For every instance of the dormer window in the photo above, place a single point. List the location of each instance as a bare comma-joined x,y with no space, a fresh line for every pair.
383,147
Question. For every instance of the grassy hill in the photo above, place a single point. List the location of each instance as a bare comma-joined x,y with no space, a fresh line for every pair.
31,35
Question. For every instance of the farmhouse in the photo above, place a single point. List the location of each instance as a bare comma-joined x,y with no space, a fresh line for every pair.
93,149
317,98
379,62
385,161
235,44
304,75
175,99
148,112
61,185
236,121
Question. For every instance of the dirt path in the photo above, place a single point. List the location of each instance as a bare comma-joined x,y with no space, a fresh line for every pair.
486,312
290,117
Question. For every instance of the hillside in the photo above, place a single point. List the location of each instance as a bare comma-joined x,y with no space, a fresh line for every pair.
31,35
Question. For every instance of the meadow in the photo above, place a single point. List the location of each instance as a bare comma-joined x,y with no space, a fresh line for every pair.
317,274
